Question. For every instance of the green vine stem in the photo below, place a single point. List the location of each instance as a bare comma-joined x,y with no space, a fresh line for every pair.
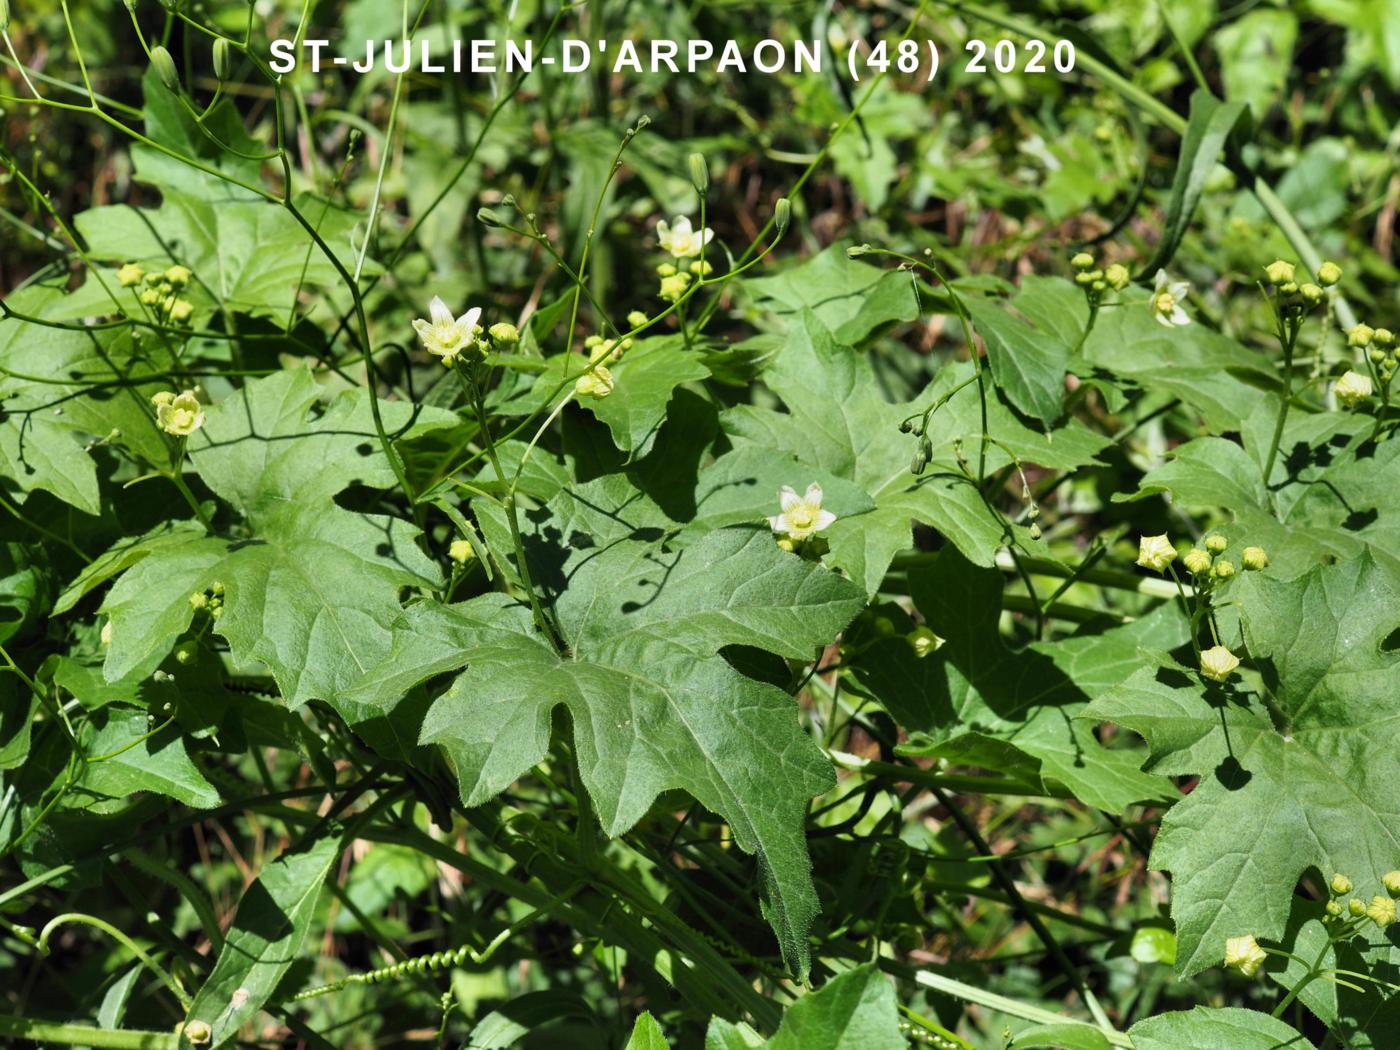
40,1032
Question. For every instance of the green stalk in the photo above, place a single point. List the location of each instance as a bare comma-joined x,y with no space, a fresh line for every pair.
84,1035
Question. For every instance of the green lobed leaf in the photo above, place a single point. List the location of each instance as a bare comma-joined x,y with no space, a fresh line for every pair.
646,377
124,758
1028,361
265,456
653,706
1312,786
976,702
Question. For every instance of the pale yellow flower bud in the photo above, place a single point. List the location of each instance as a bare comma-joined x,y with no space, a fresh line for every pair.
1391,881
1381,911
1197,561
461,552
505,334
1082,261
1216,543
1155,552
1254,558
1279,272
1361,335
130,275
1117,276
1218,663
1352,389
1244,955
1328,274
598,383
1224,569
1340,884
636,319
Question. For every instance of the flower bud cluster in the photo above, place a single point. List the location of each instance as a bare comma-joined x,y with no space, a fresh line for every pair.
598,382
1381,909
1293,298
1382,360
210,600
162,291
1096,280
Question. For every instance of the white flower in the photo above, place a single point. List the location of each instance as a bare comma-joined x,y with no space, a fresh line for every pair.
178,414
681,239
446,336
1167,297
1352,389
1218,663
1155,552
802,515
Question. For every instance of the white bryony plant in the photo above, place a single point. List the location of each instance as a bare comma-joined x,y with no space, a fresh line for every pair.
681,239
446,336
1167,297
801,515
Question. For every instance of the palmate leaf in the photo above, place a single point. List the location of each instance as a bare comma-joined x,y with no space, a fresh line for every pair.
646,377
286,603
653,705
838,421
1314,784
1331,494
62,388
976,702
1366,1016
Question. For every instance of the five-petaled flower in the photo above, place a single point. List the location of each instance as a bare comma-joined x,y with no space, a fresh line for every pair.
1167,296
681,239
802,515
1244,955
1218,663
1155,552
178,414
445,336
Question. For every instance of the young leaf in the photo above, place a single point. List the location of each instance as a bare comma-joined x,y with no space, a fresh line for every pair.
266,937
1211,124
1222,1028
647,1035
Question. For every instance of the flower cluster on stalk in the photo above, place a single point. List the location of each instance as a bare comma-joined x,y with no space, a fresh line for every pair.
1381,357
685,244
1209,568
162,291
